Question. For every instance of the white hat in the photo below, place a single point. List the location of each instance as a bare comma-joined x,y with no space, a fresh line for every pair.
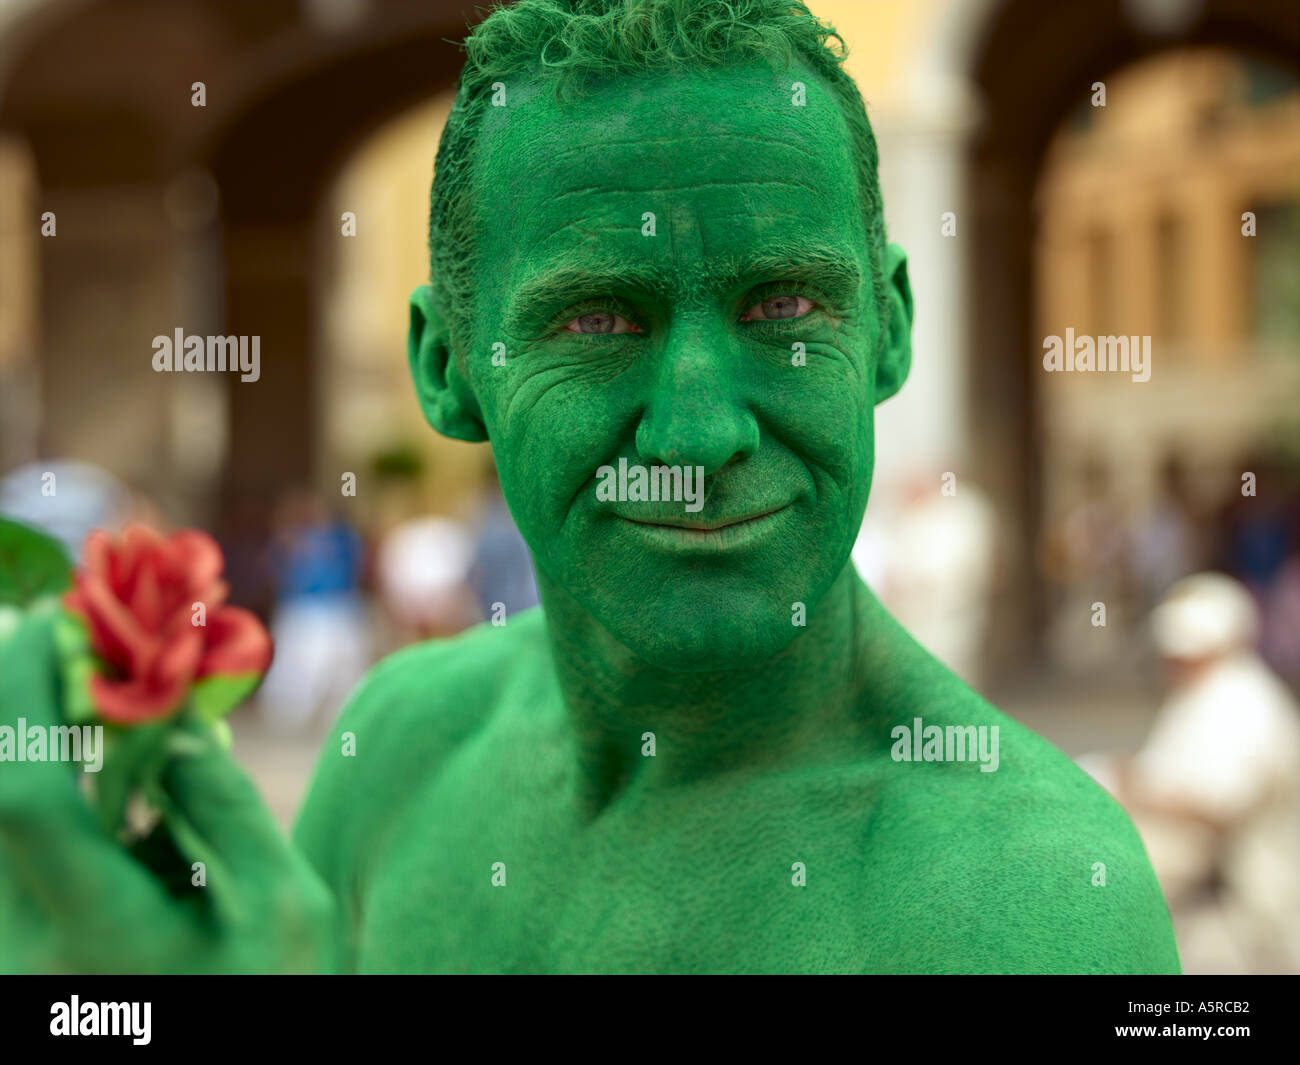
1205,614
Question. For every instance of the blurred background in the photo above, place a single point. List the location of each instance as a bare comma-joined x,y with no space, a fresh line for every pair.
1008,503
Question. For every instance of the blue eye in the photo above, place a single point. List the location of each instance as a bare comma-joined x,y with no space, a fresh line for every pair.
601,322
777,307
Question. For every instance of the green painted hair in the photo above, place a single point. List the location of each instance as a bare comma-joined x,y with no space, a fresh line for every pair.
565,40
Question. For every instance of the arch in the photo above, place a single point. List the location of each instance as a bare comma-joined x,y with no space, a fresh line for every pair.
1029,64
272,185
290,92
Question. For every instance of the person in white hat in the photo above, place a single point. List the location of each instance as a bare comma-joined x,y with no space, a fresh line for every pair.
1215,790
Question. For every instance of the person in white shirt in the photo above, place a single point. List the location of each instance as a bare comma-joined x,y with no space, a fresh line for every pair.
1215,790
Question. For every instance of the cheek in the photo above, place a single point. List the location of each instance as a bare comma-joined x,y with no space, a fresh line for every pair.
549,452
822,412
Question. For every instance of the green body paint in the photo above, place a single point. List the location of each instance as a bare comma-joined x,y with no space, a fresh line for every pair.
689,759
503,812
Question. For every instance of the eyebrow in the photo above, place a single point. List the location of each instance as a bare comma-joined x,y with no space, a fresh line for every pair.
572,277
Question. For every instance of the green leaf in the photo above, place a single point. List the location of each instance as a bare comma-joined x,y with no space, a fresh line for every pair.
215,696
32,565
77,664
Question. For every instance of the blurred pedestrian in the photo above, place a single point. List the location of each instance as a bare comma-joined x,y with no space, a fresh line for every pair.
502,572
1215,790
319,624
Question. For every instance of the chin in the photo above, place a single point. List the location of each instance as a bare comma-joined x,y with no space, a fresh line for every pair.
698,634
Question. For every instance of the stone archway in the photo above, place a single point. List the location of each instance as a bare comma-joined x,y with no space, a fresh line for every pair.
101,92
273,165
1029,64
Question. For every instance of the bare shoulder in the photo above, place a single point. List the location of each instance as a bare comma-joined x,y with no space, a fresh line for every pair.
1018,838
433,695
409,715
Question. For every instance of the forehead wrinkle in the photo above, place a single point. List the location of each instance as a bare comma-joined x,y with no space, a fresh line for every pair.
764,182
711,138
586,229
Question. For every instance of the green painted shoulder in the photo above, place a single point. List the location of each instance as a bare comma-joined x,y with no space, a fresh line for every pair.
1060,861
405,718
1040,860
1077,847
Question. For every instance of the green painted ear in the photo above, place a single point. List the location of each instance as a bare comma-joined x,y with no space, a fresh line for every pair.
896,351
445,396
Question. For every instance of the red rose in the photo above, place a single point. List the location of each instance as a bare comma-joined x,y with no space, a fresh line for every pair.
137,598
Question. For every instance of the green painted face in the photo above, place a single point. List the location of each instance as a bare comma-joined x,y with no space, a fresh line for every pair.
679,271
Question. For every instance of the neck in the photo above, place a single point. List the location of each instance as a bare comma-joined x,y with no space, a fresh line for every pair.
800,703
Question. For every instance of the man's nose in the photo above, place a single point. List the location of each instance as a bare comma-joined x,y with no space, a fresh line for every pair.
695,415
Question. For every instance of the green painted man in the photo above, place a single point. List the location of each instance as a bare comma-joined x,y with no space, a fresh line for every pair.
657,248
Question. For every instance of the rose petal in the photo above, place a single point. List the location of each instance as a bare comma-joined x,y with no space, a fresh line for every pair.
146,602
136,595
131,701
96,557
237,642
178,659
114,633
156,692
200,556
137,542
211,597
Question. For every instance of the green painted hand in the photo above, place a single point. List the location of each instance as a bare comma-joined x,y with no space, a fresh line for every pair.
73,899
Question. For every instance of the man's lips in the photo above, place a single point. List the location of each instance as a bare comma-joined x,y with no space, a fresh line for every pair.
697,524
